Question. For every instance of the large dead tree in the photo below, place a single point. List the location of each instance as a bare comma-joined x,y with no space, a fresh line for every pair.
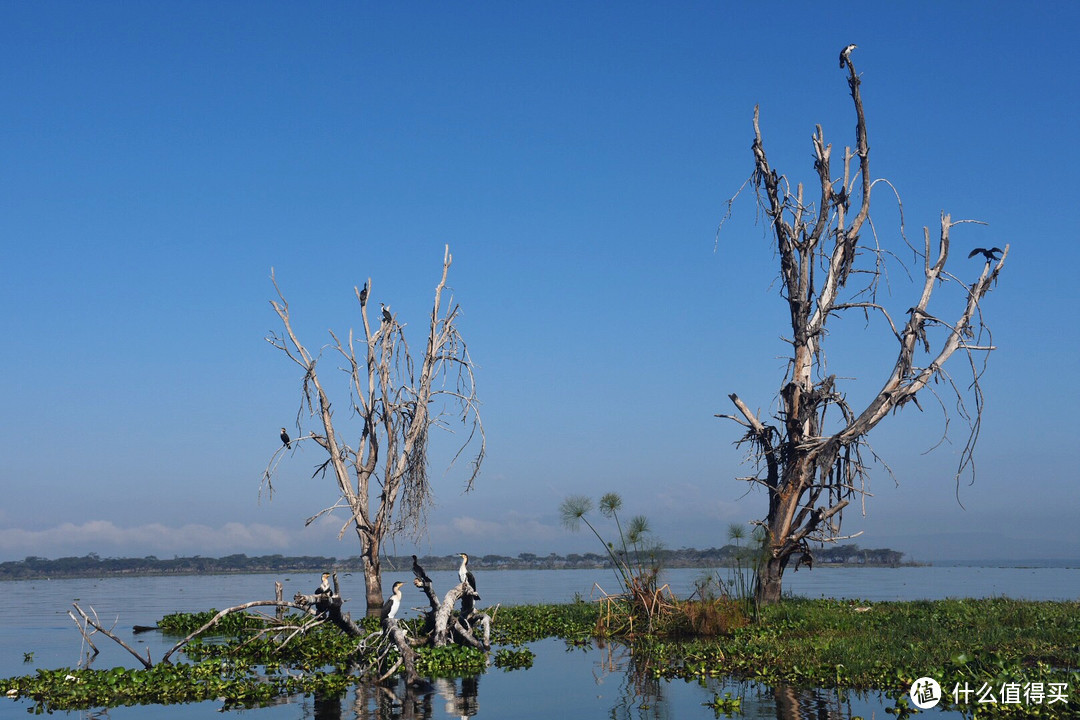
375,438
812,456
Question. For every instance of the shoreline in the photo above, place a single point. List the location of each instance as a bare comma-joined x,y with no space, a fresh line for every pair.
339,568
728,558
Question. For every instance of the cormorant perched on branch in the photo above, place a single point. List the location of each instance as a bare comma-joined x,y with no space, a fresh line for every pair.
386,316
845,54
989,254
465,575
285,438
419,571
390,607
324,586
363,295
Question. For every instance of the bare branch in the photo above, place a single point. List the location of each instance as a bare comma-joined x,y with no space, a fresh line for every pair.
812,459
395,399
88,622
221,614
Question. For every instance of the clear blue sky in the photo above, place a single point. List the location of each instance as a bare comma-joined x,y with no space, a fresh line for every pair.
156,160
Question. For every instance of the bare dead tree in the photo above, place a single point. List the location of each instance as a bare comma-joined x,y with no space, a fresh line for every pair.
813,459
377,456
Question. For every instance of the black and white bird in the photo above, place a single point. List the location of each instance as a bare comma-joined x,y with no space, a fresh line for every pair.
419,571
363,295
392,604
465,575
324,586
386,316
988,254
285,438
845,54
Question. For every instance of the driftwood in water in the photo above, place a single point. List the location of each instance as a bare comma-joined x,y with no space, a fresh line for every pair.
147,662
395,633
88,623
443,624
227,611
329,606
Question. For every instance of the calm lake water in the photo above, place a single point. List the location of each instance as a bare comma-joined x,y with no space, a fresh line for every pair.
598,682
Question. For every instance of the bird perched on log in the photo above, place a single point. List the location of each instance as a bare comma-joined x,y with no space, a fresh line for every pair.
285,438
419,571
465,575
324,586
392,604
845,54
363,295
386,316
988,254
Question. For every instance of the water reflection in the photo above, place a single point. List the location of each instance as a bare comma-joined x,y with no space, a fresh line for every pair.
607,680
442,697
641,693
647,697
802,704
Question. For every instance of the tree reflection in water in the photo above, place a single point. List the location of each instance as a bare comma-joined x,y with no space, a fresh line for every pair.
439,698
810,704
643,694
605,680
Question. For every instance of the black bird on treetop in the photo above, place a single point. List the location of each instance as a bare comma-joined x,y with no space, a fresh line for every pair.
285,438
386,316
989,254
324,586
363,295
846,53
419,571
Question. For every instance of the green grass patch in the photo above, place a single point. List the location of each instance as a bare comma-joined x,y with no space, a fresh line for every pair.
520,624
886,646
182,624
818,643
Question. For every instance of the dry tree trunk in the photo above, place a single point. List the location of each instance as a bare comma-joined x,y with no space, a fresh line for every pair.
372,570
810,459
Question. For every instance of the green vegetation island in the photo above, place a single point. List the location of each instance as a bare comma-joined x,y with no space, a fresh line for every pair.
799,642
93,565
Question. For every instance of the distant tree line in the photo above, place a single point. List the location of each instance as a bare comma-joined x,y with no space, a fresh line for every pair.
93,565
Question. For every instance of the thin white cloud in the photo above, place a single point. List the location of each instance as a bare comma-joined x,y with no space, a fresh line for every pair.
516,530
106,538
474,527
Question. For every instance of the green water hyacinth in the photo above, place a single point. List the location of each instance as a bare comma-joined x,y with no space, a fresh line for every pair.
514,659
848,645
